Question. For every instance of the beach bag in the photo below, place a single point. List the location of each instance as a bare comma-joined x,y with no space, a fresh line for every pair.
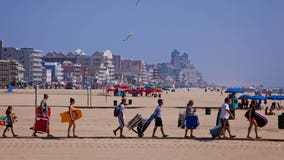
116,111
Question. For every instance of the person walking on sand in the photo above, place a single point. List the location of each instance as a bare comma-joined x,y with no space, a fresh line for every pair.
252,121
44,111
158,119
72,116
189,111
224,118
9,122
121,118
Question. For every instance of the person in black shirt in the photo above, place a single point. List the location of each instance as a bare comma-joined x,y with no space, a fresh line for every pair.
252,121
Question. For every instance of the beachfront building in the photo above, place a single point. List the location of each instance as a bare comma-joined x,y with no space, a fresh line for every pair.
106,69
73,73
151,73
116,61
166,73
133,71
11,72
190,77
92,63
180,71
30,58
54,72
178,60
110,67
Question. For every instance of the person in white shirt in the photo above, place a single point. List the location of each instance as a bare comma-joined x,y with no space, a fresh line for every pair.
121,118
224,118
158,119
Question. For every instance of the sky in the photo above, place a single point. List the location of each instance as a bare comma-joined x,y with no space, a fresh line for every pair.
231,42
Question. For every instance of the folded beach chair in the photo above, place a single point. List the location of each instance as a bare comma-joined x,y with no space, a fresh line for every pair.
143,125
134,121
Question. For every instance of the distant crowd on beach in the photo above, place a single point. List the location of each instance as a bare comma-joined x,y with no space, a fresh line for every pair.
189,122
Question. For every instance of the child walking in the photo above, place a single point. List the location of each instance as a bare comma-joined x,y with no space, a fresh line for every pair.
252,121
9,122
121,118
72,116
158,119
189,111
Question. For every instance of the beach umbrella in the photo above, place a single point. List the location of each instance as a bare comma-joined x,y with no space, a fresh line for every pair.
244,95
159,90
234,90
257,97
110,89
274,97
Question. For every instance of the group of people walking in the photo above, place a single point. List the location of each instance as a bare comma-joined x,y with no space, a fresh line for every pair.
44,112
225,114
224,119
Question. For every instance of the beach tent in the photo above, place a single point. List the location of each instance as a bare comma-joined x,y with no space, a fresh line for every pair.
275,97
257,97
244,95
234,90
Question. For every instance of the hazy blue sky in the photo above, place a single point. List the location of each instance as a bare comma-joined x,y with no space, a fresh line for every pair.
229,41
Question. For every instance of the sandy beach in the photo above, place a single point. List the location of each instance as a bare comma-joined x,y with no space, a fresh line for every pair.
96,139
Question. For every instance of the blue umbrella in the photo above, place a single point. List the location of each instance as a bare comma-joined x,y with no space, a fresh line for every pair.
257,97
234,90
244,95
274,97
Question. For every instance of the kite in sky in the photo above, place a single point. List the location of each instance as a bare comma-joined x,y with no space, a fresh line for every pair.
137,2
128,36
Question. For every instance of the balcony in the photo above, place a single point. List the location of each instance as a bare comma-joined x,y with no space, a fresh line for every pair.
34,74
36,55
36,59
36,69
36,64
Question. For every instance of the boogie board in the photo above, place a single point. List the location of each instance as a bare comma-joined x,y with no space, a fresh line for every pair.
181,117
191,121
65,116
260,119
3,119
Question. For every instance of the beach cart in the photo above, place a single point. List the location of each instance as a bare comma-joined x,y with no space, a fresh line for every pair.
41,121
138,124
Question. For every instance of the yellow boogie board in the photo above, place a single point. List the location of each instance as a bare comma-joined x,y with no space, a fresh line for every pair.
65,116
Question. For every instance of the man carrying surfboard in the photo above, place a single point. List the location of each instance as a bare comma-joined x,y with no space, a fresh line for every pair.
121,117
224,118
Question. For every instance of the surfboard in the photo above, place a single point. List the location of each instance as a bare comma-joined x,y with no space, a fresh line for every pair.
65,116
260,119
3,119
181,119
218,117
191,121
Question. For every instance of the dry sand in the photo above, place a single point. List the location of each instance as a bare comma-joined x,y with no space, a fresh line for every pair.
96,140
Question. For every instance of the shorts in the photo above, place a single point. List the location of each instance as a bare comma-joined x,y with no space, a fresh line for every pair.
9,125
121,122
158,122
224,122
